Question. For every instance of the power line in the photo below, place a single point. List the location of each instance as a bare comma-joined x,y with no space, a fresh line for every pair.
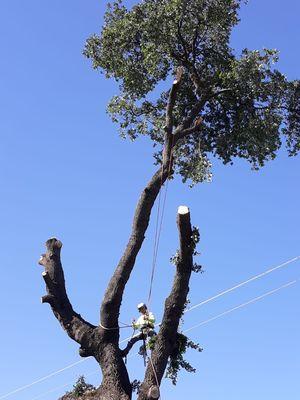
41,379
239,285
254,278
190,309
197,326
72,383
241,305
59,387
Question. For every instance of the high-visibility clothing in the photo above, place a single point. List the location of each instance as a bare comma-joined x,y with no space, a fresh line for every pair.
145,321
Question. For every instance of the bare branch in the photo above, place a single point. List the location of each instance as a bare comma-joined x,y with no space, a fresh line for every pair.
174,306
75,326
111,303
172,99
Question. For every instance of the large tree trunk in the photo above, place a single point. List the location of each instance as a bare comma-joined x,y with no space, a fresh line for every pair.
103,343
115,380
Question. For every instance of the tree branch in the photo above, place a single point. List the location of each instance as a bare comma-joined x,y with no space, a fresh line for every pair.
110,307
76,327
193,122
194,43
111,303
181,39
186,132
172,99
174,307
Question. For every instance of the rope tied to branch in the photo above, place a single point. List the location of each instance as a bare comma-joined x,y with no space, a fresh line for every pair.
159,219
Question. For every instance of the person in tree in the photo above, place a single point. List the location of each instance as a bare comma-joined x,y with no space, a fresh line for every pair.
145,322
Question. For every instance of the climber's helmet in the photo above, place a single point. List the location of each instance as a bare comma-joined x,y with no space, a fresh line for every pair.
142,307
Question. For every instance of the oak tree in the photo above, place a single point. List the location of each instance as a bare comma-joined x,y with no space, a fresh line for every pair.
220,104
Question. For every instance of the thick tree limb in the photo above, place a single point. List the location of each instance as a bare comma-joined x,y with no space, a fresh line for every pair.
113,296
111,303
174,306
190,124
172,99
195,128
76,327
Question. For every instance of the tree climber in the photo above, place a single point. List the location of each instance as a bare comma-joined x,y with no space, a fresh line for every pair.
145,324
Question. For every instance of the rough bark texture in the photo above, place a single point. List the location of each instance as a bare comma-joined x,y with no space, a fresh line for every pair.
102,342
174,306
76,327
94,341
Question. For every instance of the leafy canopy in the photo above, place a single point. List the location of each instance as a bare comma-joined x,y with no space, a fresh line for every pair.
246,106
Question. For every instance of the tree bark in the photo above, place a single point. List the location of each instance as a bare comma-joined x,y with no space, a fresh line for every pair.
110,308
174,307
76,327
94,341
101,343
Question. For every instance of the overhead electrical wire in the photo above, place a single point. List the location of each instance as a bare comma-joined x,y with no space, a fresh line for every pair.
59,387
239,285
241,305
190,309
41,379
254,278
205,322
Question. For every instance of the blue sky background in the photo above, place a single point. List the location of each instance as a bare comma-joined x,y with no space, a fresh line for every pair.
65,172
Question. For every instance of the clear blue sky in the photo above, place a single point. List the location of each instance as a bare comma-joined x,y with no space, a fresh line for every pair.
65,172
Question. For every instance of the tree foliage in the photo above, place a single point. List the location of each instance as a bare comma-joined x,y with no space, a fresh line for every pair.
247,107
80,388
177,361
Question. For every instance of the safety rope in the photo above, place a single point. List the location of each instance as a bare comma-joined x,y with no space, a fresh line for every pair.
114,328
158,230
155,236
159,219
155,375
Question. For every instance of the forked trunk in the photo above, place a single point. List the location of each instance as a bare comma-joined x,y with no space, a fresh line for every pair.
115,380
